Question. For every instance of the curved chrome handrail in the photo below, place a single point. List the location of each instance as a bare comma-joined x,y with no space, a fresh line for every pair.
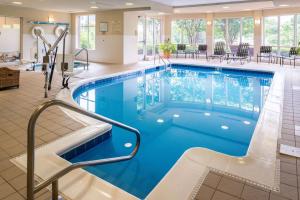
87,56
31,188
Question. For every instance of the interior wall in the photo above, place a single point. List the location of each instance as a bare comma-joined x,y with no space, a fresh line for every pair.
28,42
109,45
9,34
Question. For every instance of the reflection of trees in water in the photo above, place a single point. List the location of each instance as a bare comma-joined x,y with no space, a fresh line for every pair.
190,86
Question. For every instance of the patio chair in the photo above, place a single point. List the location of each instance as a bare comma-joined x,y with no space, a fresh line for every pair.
292,57
265,52
242,53
181,49
219,51
202,48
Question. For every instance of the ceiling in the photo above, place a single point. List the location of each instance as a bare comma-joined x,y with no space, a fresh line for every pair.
167,6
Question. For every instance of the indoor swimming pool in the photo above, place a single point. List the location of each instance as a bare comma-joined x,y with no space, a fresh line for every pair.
174,109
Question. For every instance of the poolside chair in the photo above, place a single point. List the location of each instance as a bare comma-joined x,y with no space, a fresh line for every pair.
242,54
202,48
181,49
292,57
219,51
265,52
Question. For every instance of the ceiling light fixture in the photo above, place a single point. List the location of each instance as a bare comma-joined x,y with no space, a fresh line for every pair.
94,7
283,5
160,120
176,115
246,122
207,114
129,4
225,7
17,2
161,13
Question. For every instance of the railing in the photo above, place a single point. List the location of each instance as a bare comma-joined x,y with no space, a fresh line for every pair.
87,56
31,188
166,62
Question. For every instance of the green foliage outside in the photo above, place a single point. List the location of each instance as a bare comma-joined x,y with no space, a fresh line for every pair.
188,31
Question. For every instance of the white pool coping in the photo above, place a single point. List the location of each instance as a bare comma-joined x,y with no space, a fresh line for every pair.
260,165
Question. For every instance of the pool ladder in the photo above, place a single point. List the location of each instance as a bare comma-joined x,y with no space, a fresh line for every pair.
53,180
166,61
87,56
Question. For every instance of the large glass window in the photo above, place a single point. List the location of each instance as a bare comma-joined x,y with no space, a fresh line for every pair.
281,32
189,31
220,30
234,31
298,30
87,31
248,30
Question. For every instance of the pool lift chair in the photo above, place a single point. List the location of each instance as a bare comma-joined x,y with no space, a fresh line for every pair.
49,60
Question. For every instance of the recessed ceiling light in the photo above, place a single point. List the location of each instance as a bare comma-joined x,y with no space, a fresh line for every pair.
17,2
224,127
129,4
94,7
283,5
176,115
225,7
160,120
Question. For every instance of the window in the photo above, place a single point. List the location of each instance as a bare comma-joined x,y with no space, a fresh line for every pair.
87,31
282,32
189,31
234,31
298,30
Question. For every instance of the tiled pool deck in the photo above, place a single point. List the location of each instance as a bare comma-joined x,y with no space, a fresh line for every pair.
16,106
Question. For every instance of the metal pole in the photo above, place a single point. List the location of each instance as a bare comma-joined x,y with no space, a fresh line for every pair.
55,190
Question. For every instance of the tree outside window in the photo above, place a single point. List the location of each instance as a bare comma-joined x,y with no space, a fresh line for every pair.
87,32
189,31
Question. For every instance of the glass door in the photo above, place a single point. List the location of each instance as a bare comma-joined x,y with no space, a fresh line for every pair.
149,36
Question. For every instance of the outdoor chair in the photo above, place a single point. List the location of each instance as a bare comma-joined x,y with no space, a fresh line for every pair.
219,51
202,49
242,54
181,49
292,57
265,52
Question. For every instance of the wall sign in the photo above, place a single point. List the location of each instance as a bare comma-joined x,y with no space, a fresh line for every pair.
103,27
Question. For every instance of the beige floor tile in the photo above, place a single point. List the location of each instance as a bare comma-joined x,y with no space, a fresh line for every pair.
212,179
223,196
6,190
231,186
19,182
251,193
205,193
14,196
276,196
288,192
11,173
289,179
288,168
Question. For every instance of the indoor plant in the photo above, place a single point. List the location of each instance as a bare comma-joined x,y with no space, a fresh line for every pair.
167,48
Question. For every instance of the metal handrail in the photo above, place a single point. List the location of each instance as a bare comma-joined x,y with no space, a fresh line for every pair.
163,59
87,56
31,188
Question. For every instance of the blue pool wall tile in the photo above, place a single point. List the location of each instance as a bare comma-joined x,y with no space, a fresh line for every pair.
68,155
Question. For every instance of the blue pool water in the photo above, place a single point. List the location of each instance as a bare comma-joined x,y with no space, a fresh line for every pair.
174,109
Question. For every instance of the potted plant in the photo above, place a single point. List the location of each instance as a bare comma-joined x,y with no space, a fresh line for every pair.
167,48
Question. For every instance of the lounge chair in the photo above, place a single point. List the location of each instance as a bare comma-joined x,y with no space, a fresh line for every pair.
181,49
202,48
265,52
242,53
292,57
219,51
